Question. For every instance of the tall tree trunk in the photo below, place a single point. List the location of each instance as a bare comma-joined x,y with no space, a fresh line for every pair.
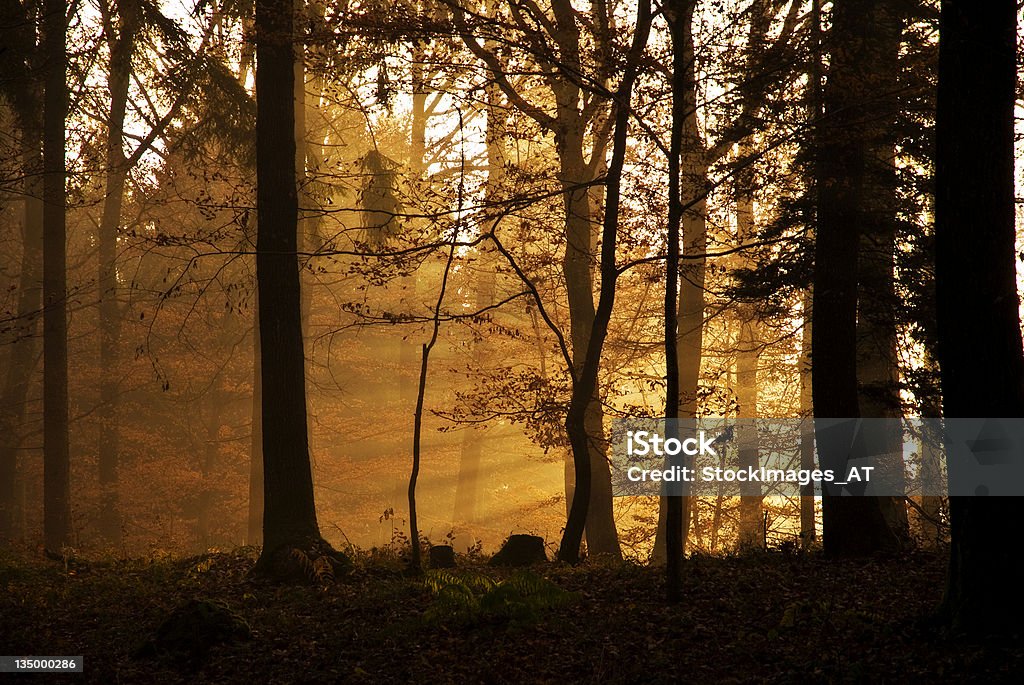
570,124
23,64
674,511
255,527
808,532
690,317
592,506
409,358
691,293
751,534
851,525
417,434
56,456
579,281
748,350
877,352
24,351
976,290
808,516
930,531
121,46
309,216
289,516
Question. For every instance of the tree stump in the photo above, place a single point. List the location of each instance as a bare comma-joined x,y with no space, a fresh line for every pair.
442,556
521,550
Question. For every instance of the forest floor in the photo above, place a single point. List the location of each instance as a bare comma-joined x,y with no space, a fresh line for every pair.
760,618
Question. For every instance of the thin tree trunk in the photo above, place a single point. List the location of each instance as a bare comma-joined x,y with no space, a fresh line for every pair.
121,46
583,419
56,456
579,280
255,527
407,350
808,532
675,512
414,532
747,353
808,517
690,316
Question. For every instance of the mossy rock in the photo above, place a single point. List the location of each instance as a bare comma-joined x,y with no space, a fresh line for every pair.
192,629
521,550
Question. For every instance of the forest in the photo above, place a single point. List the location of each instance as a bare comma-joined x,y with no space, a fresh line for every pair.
328,329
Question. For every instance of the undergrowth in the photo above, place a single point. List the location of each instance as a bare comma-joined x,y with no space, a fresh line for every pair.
470,597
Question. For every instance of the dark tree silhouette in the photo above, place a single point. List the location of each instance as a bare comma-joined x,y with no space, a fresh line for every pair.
850,525
877,340
585,384
979,340
120,29
56,458
21,88
289,515
674,511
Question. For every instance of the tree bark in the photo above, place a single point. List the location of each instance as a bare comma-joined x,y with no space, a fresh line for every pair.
21,86
877,352
579,282
808,524
976,290
255,521
693,239
675,512
751,534
121,46
24,352
851,526
569,125
56,456
591,506
808,515
289,516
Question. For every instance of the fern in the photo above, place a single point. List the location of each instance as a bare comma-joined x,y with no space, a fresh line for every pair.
317,569
304,562
541,591
474,582
323,571
470,597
